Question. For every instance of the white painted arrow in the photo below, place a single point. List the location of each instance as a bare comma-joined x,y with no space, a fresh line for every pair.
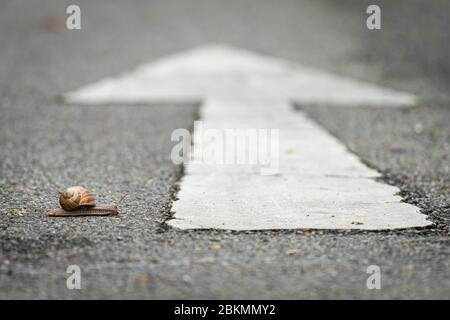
320,184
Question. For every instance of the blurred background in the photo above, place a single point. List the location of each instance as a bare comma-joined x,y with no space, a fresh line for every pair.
410,50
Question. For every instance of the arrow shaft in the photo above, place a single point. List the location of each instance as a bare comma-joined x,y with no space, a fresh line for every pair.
318,184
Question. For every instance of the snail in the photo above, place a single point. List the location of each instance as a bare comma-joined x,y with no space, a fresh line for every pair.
78,201
74,198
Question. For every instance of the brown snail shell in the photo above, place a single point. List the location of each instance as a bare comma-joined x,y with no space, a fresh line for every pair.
74,198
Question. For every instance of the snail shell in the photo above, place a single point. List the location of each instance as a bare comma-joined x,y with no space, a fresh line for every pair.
74,198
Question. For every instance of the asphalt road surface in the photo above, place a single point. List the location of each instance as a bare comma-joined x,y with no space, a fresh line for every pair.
125,149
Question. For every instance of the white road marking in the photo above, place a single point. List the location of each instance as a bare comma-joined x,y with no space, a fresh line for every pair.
320,183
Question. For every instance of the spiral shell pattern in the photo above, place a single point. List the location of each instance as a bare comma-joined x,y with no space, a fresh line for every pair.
74,198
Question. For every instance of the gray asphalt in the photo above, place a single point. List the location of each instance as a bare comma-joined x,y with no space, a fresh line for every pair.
125,149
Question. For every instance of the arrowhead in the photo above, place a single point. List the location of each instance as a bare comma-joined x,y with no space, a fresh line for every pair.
214,60
218,70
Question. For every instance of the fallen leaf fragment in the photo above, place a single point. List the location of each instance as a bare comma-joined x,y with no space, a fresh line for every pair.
13,212
294,251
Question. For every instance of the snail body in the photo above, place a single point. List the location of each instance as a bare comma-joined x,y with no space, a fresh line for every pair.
86,211
74,198
77,201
